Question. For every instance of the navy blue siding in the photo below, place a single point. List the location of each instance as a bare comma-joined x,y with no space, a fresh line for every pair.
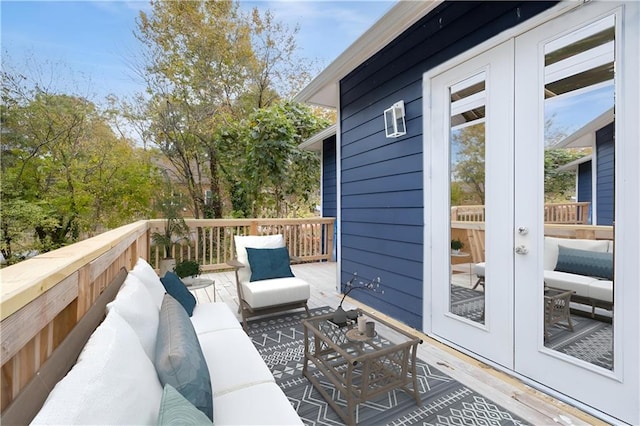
585,188
329,181
382,181
605,184
329,184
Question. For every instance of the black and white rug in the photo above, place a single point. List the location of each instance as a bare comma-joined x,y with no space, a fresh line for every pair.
591,340
279,340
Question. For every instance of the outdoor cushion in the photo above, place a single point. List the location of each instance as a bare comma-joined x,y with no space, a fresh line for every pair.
179,359
133,303
269,263
551,248
601,290
211,317
175,409
568,281
145,273
232,347
176,288
247,406
254,241
113,382
275,292
585,262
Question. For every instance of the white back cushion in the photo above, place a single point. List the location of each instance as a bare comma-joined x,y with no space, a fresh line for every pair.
135,305
113,382
253,241
145,273
551,248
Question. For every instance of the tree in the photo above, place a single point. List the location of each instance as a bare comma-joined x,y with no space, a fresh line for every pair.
270,176
207,66
64,171
469,144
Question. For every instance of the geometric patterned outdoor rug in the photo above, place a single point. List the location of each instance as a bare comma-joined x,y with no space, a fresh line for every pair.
445,401
591,340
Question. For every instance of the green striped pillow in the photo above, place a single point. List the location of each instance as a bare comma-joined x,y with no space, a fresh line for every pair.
175,409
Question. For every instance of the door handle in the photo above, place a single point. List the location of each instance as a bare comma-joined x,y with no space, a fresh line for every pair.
521,250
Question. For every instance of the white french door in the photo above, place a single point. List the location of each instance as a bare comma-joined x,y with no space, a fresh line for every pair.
576,80
499,130
472,147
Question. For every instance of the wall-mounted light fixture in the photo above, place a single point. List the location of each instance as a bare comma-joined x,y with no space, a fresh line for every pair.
394,125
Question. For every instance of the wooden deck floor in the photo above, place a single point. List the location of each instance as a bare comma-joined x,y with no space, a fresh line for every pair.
533,406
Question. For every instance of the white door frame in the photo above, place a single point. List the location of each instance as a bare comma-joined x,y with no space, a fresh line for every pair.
626,404
492,340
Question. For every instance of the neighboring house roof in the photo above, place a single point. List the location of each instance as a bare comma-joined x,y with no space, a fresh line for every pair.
585,136
314,143
323,91
575,163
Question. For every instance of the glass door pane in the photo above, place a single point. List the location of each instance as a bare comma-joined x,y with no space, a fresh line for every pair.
579,183
467,197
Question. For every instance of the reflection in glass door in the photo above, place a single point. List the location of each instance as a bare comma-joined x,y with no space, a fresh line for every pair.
467,189
579,192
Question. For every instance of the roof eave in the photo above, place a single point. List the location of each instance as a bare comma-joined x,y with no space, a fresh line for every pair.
322,90
314,143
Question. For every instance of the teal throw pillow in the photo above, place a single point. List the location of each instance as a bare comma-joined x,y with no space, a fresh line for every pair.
179,360
175,409
585,262
269,263
175,287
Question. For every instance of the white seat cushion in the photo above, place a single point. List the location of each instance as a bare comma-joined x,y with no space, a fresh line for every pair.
566,281
262,404
276,291
601,290
210,317
233,362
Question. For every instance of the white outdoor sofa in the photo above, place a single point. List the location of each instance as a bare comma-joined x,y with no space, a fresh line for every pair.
116,379
591,276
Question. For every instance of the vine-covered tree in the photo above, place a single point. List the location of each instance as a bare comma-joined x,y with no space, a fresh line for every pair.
269,175
206,66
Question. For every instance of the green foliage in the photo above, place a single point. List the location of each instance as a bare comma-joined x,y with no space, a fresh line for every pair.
170,205
470,165
65,173
559,186
268,174
187,268
456,244
208,67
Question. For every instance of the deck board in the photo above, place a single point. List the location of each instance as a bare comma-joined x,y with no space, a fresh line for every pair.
533,406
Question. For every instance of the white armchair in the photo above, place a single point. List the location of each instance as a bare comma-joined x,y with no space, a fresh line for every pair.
271,286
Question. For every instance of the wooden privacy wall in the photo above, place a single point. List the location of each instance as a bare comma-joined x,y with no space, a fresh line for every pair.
210,242
44,297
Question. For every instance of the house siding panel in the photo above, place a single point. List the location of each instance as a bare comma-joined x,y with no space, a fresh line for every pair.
585,188
329,180
605,185
381,188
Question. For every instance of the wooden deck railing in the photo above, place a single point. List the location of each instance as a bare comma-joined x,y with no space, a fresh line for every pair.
211,240
570,213
42,299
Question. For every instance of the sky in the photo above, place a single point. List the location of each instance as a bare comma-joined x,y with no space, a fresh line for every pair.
89,45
